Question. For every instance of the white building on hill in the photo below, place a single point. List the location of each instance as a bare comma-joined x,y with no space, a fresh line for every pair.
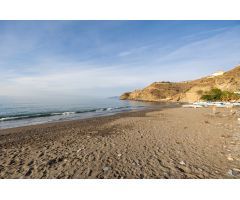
218,73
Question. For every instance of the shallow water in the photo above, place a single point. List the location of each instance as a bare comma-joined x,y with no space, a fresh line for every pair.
16,113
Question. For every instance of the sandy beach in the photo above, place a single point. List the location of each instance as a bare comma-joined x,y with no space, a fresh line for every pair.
167,143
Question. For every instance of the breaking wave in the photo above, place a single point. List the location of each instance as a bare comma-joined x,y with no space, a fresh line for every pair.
64,113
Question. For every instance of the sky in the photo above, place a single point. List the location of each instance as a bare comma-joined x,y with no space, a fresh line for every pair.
106,58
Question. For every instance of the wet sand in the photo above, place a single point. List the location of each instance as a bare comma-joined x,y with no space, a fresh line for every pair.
168,143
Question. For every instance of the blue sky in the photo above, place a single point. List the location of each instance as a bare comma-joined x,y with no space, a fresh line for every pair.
106,58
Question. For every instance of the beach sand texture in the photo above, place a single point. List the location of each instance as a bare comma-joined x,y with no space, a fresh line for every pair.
168,143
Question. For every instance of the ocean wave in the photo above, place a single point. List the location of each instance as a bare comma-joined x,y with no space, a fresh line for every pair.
65,113
68,113
27,116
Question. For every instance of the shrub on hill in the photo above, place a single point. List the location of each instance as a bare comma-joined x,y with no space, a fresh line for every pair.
216,94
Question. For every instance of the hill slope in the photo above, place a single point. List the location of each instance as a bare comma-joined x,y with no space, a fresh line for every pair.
188,91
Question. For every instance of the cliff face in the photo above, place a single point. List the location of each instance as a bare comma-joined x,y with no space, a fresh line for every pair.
188,91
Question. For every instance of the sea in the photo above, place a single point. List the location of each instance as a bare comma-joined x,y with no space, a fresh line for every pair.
17,113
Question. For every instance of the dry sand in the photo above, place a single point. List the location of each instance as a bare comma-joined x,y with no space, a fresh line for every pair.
169,143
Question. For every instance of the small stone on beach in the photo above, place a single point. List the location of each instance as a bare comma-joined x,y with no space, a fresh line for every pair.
234,172
182,163
230,158
105,169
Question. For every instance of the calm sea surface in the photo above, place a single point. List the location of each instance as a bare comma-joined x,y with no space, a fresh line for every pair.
16,113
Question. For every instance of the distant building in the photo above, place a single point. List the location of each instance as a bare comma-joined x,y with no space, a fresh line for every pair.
218,73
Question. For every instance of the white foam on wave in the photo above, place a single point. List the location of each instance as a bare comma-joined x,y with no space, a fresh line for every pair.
68,113
8,118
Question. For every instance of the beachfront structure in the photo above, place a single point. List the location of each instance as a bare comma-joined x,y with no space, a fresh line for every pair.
201,104
218,73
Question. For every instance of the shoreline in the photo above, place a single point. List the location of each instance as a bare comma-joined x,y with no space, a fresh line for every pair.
162,106
77,119
70,121
154,143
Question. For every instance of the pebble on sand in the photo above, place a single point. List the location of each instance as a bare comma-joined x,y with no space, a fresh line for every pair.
182,163
105,169
229,158
234,172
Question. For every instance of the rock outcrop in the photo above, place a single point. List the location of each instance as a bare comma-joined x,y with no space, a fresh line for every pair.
187,91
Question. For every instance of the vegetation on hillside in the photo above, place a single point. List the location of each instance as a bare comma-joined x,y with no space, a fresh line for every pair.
216,94
125,95
190,91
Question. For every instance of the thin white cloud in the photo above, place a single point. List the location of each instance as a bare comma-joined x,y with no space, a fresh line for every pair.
54,74
202,33
69,81
124,53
